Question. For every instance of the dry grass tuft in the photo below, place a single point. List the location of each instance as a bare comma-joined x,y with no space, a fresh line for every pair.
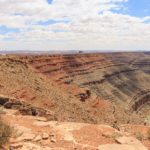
148,134
5,133
139,136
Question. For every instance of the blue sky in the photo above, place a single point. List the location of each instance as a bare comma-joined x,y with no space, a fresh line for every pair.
5,30
76,23
139,8
51,21
49,1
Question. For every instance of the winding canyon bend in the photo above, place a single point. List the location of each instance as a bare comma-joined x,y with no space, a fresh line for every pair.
110,88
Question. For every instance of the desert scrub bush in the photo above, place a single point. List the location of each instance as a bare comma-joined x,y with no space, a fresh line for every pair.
116,135
5,133
1,111
139,136
148,134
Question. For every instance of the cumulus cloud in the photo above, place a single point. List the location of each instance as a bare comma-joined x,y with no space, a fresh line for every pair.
71,24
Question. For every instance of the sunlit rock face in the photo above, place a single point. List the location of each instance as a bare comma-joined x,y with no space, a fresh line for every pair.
94,88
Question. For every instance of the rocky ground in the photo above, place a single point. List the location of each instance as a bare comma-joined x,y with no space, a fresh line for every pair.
36,133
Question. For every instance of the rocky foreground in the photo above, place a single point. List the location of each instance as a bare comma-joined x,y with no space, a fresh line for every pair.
36,133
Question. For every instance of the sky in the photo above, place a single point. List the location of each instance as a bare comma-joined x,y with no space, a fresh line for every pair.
75,25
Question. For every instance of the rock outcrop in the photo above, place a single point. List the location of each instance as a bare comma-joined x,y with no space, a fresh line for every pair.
32,132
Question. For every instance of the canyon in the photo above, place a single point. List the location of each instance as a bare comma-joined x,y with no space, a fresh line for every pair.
87,88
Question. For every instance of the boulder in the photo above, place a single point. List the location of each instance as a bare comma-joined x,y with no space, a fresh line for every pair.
12,105
45,136
37,138
3,100
131,141
116,147
53,140
26,137
16,146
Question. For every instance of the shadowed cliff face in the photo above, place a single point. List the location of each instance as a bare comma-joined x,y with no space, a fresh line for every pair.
117,81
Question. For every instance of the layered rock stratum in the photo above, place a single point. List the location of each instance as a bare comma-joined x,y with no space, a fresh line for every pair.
108,89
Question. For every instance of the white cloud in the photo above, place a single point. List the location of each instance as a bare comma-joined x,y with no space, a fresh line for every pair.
92,25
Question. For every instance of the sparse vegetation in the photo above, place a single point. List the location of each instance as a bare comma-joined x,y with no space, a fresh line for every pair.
5,132
139,136
116,135
148,119
1,111
148,134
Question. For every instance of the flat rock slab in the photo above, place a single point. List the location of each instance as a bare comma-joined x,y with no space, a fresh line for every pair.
37,138
22,129
16,146
41,119
131,141
118,147
127,140
26,137
30,146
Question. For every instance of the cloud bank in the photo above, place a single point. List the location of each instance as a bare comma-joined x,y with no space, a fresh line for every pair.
71,25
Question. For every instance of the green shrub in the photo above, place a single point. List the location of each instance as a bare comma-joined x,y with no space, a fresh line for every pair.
5,133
